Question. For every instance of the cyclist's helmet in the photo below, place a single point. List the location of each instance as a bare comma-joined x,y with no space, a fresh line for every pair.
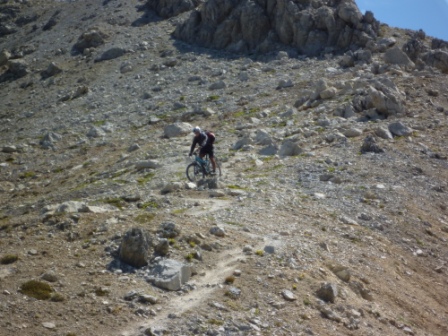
196,129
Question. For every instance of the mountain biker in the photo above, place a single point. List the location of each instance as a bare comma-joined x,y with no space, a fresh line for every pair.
205,141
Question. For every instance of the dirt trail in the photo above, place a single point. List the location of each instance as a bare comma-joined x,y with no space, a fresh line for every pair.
205,286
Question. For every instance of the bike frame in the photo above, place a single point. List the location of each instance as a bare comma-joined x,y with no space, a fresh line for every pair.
203,162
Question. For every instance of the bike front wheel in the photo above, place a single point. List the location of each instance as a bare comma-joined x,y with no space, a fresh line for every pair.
194,172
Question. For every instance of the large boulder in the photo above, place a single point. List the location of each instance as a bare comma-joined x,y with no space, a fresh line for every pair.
290,148
397,56
90,39
437,59
177,130
170,274
262,26
135,247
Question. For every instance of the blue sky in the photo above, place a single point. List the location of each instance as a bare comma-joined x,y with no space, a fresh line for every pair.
429,15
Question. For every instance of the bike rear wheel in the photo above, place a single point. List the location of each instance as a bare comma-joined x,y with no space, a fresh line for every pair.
194,172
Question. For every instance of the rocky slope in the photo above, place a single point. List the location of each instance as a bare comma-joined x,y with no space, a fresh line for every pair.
330,217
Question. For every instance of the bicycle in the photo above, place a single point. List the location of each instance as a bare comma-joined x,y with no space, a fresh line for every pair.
200,168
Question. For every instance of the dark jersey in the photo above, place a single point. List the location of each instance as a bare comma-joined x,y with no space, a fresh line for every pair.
200,140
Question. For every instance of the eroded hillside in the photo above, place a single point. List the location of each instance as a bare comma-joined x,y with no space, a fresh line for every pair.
330,217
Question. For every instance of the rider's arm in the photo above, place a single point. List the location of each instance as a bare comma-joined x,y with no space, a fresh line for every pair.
193,145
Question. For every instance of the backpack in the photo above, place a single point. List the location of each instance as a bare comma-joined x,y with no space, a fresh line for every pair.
211,136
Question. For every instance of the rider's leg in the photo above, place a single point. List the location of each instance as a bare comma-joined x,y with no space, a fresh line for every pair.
211,155
212,160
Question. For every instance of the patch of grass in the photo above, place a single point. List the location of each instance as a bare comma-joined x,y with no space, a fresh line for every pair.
192,244
179,211
189,257
259,253
237,187
36,289
149,204
230,279
215,322
144,218
212,98
306,302
144,179
117,202
57,297
119,173
9,259
27,174
238,114
99,123
331,169
254,110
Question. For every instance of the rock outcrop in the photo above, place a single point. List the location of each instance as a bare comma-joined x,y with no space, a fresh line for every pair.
311,27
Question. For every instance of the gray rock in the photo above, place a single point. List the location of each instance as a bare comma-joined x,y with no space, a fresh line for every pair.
396,56
328,93
96,132
4,57
17,68
242,143
162,247
285,83
327,292
146,298
383,133
52,70
369,145
216,193
177,130
217,85
169,274
352,132
50,276
135,247
168,230
111,53
437,59
9,149
151,164
399,129
170,187
288,295
269,249
269,150
49,140
91,39
217,231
